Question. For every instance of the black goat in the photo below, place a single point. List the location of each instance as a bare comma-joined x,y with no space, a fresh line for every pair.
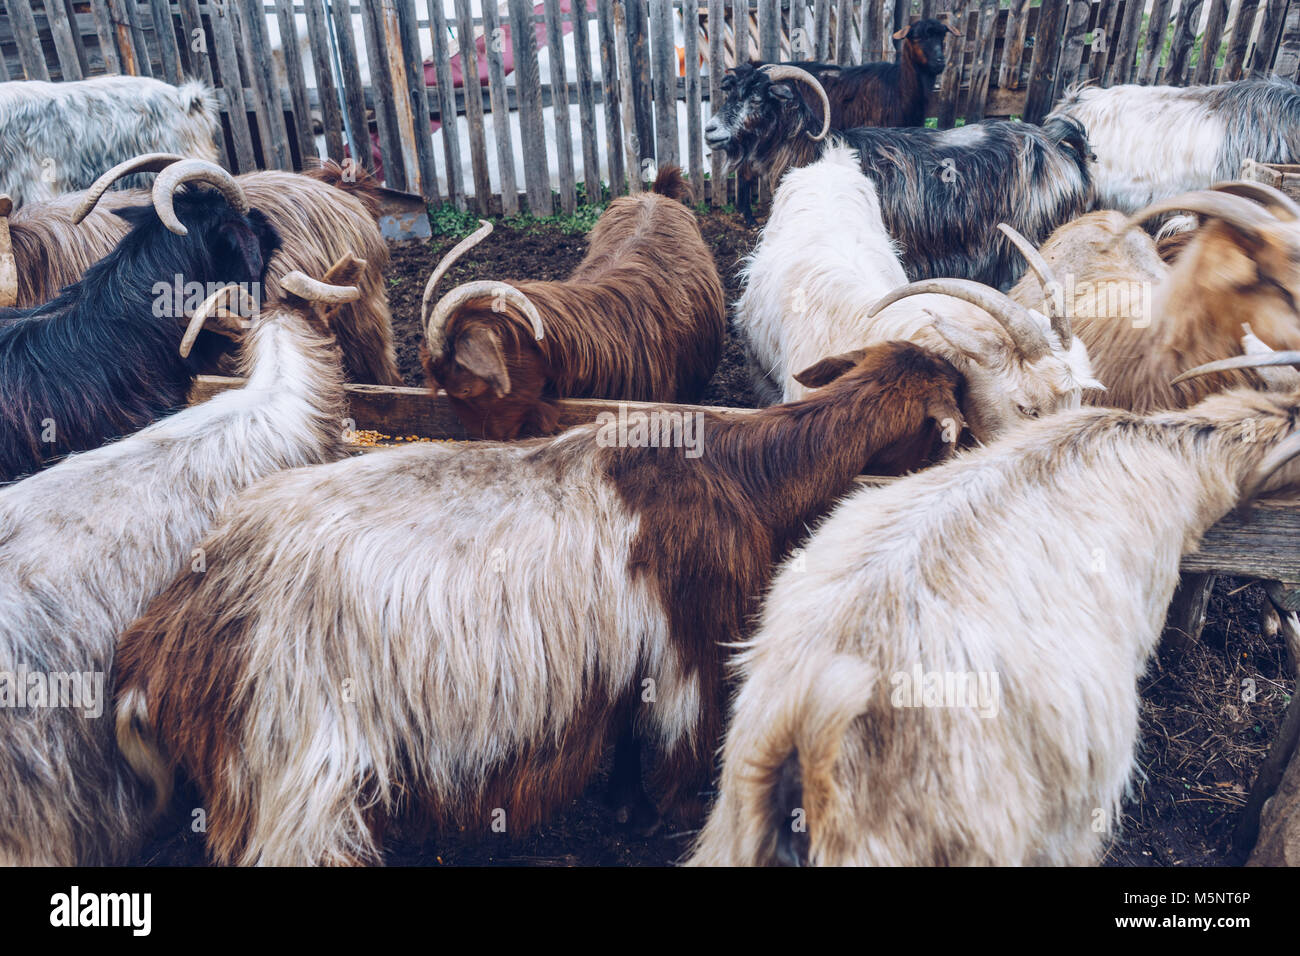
872,94
942,194
102,358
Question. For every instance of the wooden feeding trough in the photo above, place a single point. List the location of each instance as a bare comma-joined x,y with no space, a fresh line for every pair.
1283,176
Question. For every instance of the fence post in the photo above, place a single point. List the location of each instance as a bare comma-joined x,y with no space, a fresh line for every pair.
494,40
1047,48
560,105
473,89
612,94
528,88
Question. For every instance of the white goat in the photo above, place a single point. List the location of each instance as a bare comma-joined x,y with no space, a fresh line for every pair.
84,547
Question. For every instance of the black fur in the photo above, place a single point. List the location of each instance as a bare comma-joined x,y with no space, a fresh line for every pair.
96,362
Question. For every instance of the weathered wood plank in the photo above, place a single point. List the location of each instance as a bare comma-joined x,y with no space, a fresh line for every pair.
270,116
1123,64
586,99
664,71
494,38
950,86
107,37
473,106
355,124
560,99
638,47
1210,40
611,98
769,30
528,82
844,32
694,99
871,31
419,99
1047,48
1239,40
1260,545
717,69
1270,30
164,31
67,47
1013,47
385,97
821,28
1153,45
134,27
1067,69
1287,61
323,65
631,140
231,88
1186,22
410,105
802,46
23,22
982,61
302,125
1103,38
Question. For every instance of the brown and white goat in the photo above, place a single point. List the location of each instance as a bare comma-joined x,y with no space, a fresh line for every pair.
87,544
449,660
642,317
321,216
1144,322
948,676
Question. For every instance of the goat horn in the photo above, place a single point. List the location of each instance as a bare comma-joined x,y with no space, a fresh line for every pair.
1053,292
193,171
213,305
147,163
1234,210
1286,449
433,331
1281,205
313,290
784,71
1014,317
8,267
459,249
1257,360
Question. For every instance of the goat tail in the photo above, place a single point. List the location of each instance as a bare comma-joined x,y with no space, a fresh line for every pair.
670,184
354,180
139,746
198,99
778,786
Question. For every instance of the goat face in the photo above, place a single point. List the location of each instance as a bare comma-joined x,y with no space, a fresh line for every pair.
757,115
923,45
494,374
1263,265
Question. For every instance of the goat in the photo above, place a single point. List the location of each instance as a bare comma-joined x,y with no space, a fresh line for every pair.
321,216
1144,322
872,94
58,137
448,663
85,545
1154,142
99,360
642,317
942,193
816,284
42,250
948,674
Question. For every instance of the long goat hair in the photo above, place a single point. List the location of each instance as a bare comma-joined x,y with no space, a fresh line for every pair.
85,545
1153,142
59,137
100,360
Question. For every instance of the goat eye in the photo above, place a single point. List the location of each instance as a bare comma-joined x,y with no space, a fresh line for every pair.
1028,411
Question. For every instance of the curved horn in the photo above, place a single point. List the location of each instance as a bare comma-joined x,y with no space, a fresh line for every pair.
148,163
458,250
193,171
8,267
784,71
313,290
1053,292
1257,360
1281,205
474,290
1014,317
1234,210
1286,449
213,305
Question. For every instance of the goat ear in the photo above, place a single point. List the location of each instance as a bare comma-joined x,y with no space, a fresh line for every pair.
829,369
478,351
136,214
965,340
899,34
949,421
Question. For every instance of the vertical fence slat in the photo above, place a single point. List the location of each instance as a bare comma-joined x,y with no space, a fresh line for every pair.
383,96
694,128
231,89
950,85
107,38
801,45
638,46
717,69
473,87
494,42
982,64
631,144
586,99
740,31
1103,38
420,97
410,106
354,96
844,32
1233,66
302,128
1157,26
1124,63
327,89
1210,41
1013,46
23,23
612,97
872,31
822,31
196,62
134,33
1067,69
664,60
560,105
1287,62
266,95
67,16
1182,41
528,87
1047,48
164,31
769,30
1270,31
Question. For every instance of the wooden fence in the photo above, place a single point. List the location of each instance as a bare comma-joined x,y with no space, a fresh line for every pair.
1013,59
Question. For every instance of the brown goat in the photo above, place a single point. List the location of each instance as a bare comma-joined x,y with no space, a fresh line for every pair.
642,318
317,227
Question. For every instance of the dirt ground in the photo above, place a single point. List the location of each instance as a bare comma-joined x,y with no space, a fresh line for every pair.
1201,744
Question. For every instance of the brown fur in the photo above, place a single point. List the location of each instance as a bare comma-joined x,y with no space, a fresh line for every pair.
642,318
